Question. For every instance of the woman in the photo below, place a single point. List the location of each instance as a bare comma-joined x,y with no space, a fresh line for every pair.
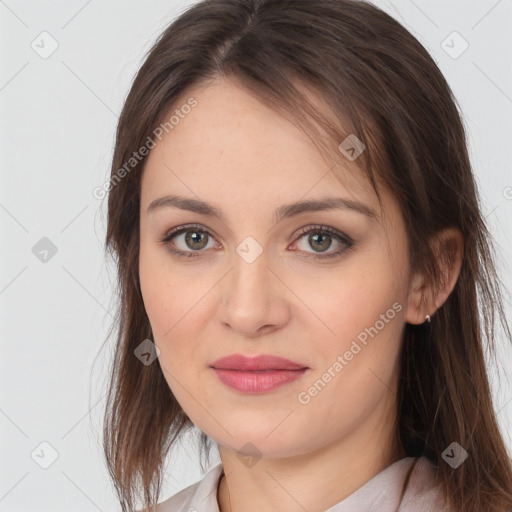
299,245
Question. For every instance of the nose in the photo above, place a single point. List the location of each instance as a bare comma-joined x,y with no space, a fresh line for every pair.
255,299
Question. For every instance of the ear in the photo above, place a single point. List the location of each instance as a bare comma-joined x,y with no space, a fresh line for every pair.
448,245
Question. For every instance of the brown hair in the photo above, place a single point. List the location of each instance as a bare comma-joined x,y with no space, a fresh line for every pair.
380,80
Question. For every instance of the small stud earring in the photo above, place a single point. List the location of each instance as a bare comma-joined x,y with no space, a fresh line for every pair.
427,318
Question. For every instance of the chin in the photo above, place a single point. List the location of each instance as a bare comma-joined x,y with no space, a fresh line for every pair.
262,440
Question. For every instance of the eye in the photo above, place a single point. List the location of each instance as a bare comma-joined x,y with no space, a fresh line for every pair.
320,239
194,238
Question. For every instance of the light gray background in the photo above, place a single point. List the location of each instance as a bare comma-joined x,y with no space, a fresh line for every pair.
57,121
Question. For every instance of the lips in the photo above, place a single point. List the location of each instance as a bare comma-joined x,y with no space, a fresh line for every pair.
257,363
256,374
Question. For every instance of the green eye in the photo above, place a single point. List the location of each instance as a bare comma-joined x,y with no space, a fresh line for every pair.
319,237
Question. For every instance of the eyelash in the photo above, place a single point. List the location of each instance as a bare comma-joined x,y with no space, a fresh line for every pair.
318,229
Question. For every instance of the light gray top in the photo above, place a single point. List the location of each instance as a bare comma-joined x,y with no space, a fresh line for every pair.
382,493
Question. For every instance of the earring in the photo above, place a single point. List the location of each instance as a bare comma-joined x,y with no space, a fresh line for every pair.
427,318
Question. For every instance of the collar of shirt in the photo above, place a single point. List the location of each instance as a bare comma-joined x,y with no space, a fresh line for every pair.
382,493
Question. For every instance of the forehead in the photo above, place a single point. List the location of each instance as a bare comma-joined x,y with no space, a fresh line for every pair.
233,150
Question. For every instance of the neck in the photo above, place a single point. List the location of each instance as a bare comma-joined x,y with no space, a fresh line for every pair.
313,481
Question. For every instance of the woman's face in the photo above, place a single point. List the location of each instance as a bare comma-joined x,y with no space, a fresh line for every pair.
252,283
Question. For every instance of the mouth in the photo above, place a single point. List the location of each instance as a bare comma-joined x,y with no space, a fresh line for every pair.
257,374
256,363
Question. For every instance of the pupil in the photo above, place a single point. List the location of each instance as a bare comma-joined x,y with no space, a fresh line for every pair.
193,237
315,237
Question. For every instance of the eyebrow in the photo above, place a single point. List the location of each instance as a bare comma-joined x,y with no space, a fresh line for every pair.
285,211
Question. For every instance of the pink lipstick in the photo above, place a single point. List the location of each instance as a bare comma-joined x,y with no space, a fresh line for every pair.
256,374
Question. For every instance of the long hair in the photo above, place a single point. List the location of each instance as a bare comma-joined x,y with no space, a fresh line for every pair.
377,78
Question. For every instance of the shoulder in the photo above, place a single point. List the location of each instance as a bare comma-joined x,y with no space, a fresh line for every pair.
423,493
198,497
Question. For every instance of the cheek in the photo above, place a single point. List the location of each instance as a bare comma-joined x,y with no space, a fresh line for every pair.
346,300
178,302
173,306
362,309
171,295
356,369
158,303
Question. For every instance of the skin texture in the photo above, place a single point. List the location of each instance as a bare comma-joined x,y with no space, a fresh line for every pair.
242,157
